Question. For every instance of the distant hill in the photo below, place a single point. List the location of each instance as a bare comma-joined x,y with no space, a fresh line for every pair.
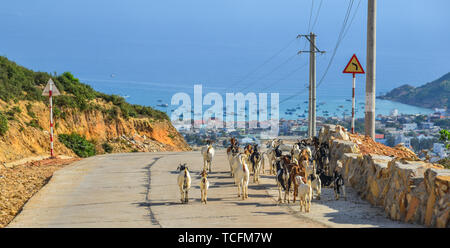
435,94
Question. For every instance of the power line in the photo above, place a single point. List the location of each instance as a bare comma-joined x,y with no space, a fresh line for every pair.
265,75
317,15
310,14
340,37
353,17
264,63
285,77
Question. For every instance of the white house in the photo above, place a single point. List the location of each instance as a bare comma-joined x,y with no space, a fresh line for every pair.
440,150
409,126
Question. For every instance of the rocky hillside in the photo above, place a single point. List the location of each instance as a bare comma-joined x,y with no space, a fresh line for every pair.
435,94
106,121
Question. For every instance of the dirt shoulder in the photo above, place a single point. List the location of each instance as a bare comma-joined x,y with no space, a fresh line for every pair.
19,183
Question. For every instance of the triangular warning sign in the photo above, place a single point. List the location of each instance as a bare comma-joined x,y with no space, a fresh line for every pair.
55,91
354,66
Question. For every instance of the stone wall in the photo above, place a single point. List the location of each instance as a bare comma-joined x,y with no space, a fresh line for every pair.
409,191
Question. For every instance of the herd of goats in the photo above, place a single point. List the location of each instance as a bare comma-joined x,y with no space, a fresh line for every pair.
303,170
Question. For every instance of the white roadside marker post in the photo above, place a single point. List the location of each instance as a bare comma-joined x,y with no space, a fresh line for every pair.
50,90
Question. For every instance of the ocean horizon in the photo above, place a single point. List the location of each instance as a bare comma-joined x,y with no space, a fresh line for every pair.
154,94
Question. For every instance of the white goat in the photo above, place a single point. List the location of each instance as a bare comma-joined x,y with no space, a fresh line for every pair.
295,152
204,186
315,182
232,152
242,175
208,154
184,182
304,194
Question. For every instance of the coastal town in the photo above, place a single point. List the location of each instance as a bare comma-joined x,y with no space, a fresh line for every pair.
417,132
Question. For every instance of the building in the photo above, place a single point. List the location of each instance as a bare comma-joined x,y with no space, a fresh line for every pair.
409,126
427,125
394,112
402,139
440,150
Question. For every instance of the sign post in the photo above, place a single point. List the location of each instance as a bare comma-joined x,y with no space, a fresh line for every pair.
50,90
353,67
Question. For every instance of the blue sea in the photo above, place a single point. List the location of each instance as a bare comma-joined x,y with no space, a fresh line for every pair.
147,51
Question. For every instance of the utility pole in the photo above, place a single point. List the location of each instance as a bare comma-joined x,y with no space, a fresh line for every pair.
312,82
369,120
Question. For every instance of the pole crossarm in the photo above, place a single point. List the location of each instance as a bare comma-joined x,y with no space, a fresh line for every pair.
317,50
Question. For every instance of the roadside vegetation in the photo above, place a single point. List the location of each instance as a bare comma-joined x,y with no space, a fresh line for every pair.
3,124
19,83
78,144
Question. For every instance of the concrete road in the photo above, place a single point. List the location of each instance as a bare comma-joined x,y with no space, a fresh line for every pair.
140,190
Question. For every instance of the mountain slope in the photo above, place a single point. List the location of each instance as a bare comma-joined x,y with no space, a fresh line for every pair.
107,121
435,94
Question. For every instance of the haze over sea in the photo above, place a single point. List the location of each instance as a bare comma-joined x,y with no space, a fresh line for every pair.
149,50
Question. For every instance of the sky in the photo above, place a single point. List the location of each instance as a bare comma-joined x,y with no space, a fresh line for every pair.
224,43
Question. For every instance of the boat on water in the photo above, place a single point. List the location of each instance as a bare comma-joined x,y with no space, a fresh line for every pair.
163,105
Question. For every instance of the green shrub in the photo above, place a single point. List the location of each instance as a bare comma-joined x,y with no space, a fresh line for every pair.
34,123
107,147
78,144
30,110
3,124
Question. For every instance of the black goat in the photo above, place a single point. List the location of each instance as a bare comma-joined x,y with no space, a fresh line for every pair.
338,185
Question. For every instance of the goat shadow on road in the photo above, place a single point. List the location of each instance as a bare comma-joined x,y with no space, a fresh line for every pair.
175,203
270,213
256,204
